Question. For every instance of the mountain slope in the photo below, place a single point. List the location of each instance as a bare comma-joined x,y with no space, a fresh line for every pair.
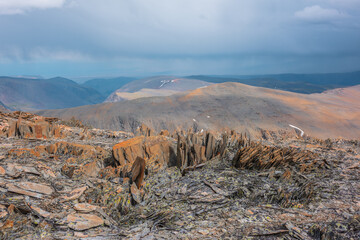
234,105
31,94
161,85
106,86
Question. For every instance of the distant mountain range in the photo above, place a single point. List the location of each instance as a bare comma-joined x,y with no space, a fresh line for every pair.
22,93
300,83
31,94
236,106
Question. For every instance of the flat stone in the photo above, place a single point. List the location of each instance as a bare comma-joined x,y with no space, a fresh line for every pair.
80,222
26,169
41,212
85,207
2,171
74,194
35,187
3,211
12,188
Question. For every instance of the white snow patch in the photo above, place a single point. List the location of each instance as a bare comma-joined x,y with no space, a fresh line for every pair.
301,131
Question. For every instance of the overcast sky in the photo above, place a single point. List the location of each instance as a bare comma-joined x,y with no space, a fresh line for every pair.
80,38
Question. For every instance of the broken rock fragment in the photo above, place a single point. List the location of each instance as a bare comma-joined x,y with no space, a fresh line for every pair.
85,207
75,194
80,222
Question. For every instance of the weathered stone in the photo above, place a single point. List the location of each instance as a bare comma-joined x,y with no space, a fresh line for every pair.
138,171
164,133
41,212
258,156
80,222
74,194
144,130
157,151
74,149
135,193
26,125
85,207
2,171
12,188
35,187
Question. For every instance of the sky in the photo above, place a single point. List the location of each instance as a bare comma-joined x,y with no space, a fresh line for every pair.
91,38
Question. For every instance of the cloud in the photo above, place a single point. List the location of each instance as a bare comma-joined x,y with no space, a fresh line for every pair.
10,7
317,14
181,36
43,54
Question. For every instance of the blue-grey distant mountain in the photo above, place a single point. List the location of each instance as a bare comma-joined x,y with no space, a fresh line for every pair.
106,86
31,94
300,83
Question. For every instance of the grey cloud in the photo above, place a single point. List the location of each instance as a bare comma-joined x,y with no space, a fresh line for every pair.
9,7
222,36
318,14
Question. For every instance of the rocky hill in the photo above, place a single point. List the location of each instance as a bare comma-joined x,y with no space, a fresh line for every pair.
231,105
63,180
155,86
32,94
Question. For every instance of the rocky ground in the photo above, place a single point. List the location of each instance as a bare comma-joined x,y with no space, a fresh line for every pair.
63,180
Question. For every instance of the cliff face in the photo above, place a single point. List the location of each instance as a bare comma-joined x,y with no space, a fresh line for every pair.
231,105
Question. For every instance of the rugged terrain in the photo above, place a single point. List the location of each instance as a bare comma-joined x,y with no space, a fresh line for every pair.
244,108
64,180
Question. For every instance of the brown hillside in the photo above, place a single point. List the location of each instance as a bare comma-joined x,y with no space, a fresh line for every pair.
241,107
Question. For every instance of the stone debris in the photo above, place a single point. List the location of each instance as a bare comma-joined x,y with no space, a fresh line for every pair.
100,184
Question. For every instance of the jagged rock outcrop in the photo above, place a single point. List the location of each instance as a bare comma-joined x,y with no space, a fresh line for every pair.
258,156
144,130
158,152
138,171
196,148
26,125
